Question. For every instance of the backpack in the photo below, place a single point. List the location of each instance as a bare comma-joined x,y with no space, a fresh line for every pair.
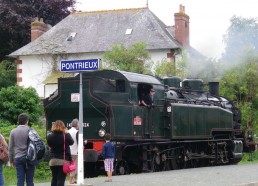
4,154
36,148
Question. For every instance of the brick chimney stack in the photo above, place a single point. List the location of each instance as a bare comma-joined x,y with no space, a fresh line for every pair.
182,27
38,27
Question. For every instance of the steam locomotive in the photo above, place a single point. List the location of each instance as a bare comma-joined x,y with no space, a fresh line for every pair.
186,126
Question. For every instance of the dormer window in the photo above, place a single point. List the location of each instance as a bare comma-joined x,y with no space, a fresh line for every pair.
128,31
71,36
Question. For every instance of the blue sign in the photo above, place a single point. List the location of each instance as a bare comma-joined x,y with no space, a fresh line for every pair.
79,65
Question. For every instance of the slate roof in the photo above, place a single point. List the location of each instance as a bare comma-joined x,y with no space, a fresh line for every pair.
97,31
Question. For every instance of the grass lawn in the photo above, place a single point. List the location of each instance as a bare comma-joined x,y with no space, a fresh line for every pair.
250,159
42,174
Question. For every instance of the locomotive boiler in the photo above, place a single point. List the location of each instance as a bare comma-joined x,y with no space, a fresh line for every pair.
186,126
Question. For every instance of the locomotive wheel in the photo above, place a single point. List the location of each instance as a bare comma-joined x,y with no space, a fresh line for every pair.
155,164
174,164
176,160
166,162
121,168
194,163
158,162
181,163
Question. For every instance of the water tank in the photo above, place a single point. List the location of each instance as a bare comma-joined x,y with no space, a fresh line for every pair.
173,81
193,84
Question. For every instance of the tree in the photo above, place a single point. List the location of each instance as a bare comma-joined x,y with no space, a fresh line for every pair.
133,59
241,35
15,100
166,68
16,17
190,66
181,65
7,74
240,62
241,84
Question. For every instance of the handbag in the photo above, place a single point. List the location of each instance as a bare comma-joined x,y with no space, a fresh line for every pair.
68,167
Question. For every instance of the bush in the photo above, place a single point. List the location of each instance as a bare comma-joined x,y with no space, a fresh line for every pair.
5,131
7,74
42,172
15,100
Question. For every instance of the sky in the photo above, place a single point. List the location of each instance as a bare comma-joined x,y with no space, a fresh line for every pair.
209,19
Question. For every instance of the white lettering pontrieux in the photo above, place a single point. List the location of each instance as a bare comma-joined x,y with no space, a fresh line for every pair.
79,65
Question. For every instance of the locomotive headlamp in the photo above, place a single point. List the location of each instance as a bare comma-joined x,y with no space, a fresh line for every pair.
103,124
102,133
168,109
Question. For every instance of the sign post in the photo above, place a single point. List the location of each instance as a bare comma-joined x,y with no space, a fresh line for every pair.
79,66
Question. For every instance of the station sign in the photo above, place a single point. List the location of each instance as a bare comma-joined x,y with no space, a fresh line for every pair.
79,65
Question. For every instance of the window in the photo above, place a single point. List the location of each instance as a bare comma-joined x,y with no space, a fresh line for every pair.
128,31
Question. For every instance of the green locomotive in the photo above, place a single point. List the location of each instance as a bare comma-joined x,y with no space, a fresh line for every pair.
185,127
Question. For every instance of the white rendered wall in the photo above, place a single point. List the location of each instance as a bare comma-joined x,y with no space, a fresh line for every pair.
158,55
49,89
35,69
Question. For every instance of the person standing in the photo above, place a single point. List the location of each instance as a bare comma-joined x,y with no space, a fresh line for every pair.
18,146
149,98
59,141
108,153
5,145
73,131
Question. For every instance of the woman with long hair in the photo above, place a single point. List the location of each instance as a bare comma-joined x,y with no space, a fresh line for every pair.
57,140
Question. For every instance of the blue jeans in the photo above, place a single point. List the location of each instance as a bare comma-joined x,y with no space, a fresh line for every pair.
23,169
1,174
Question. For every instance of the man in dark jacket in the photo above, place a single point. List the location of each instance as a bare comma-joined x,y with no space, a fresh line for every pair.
148,99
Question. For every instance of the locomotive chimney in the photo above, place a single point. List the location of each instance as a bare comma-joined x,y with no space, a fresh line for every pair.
214,88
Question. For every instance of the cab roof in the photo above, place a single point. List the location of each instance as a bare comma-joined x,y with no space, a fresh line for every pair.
129,76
